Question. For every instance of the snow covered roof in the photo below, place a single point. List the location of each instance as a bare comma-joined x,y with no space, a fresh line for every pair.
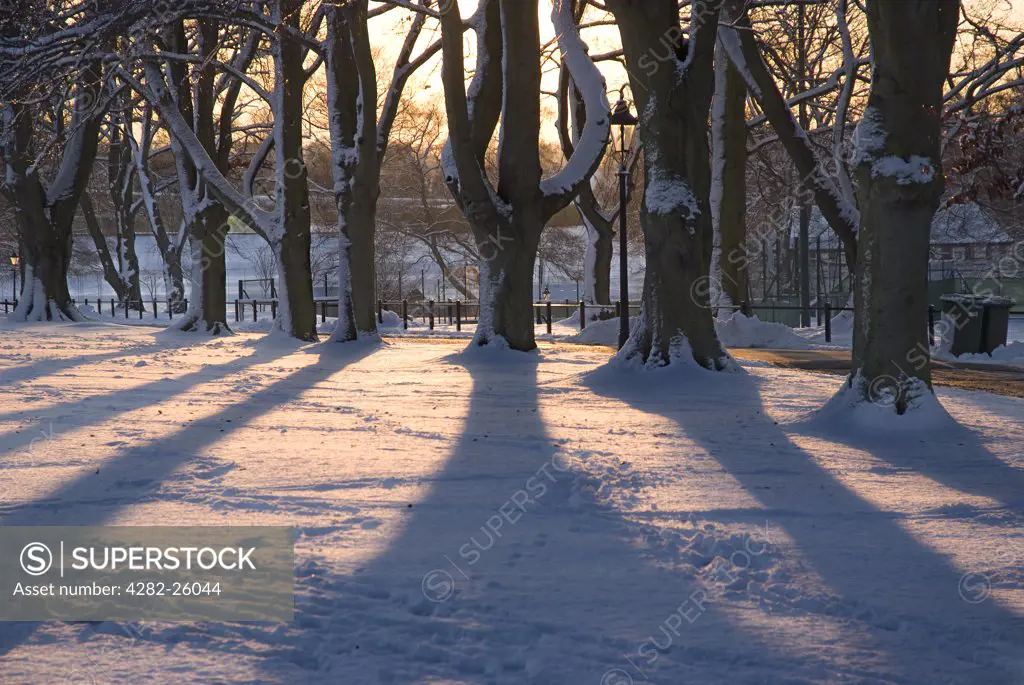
961,224
967,223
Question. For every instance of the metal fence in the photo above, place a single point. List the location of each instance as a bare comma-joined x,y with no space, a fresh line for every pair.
457,312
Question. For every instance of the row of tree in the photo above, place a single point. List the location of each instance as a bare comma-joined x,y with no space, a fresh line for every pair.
225,90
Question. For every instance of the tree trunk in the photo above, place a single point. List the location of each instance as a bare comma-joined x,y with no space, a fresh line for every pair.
732,209
174,280
110,273
597,266
296,311
44,293
45,216
119,185
899,184
506,287
507,220
355,165
676,321
213,269
131,276
361,229
207,306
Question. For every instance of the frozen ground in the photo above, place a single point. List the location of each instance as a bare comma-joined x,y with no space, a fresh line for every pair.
692,528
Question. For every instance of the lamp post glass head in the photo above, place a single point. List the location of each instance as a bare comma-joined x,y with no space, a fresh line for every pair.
622,116
14,260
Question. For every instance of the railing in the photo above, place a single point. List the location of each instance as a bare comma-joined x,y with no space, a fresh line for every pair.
458,312
130,306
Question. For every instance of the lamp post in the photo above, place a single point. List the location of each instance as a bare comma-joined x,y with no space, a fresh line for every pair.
622,117
14,268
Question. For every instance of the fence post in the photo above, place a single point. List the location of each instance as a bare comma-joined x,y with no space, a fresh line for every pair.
583,314
745,308
99,305
618,310
255,315
113,311
87,302
547,306
458,315
380,312
405,315
323,305
828,321
156,312
931,323
236,311
273,309
431,305
140,310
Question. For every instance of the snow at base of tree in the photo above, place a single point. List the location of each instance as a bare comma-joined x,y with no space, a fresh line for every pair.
863,406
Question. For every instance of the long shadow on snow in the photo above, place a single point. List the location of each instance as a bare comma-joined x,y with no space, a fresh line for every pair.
74,415
952,455
880,574
452,598
48,367
126,477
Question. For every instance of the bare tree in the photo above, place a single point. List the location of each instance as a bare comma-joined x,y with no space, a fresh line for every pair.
416,203
899,185
359,141
286,227
507,219
674,96
169,244
590,202
45,210
729,187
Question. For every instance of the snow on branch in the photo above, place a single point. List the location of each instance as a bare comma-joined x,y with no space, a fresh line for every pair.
155,91
838,209
591,85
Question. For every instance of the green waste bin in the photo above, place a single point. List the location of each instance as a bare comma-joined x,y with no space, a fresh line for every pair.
979,322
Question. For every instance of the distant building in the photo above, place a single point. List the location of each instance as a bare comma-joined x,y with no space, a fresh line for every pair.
966,242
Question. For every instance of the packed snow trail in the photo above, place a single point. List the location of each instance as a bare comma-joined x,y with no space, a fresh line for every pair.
498,517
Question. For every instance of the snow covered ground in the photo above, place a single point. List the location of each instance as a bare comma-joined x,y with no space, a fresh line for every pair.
735,331
678,527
